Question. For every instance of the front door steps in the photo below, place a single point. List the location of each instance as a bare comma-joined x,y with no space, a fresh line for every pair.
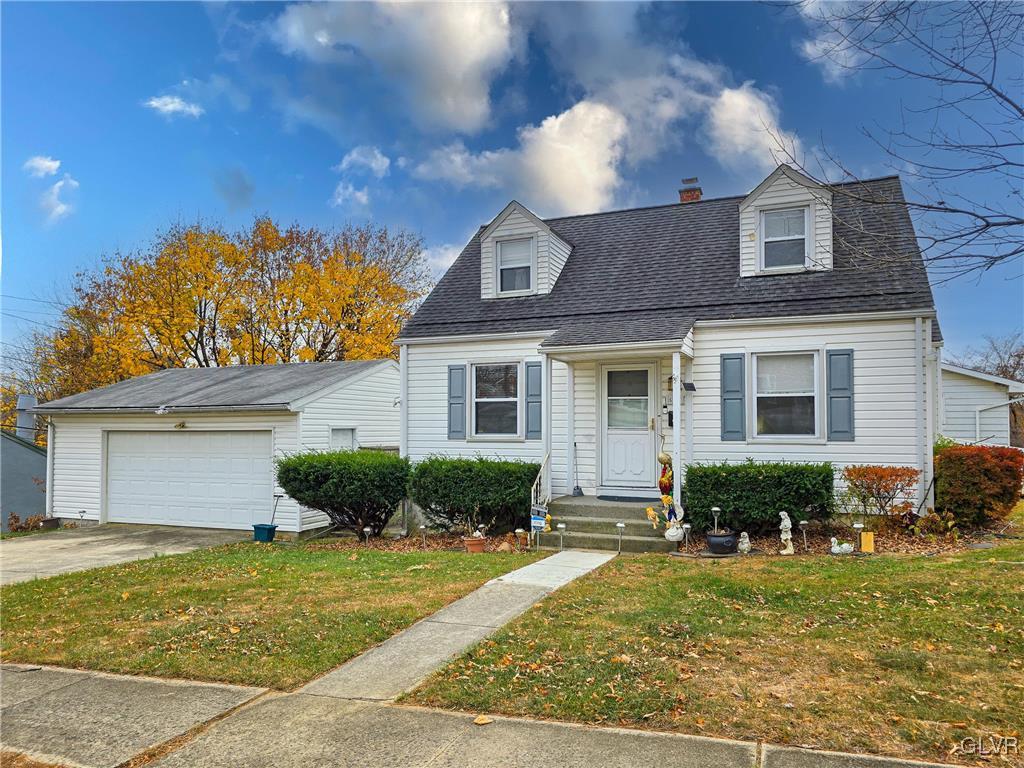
590,524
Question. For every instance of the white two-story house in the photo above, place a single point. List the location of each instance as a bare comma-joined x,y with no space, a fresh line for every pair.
792,323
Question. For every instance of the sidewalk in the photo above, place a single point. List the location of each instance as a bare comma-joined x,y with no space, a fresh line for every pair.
399,664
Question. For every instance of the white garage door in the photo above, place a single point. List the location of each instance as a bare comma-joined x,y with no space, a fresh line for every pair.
212,479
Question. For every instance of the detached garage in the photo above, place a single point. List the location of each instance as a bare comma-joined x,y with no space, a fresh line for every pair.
196,446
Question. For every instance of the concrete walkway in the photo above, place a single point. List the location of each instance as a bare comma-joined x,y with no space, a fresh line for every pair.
99,720
398,664
49,554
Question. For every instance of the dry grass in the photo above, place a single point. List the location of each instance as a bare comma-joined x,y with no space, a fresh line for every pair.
899,655
251,614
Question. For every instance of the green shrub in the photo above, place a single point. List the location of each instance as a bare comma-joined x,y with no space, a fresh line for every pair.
978,483
355,489
465,493
752,494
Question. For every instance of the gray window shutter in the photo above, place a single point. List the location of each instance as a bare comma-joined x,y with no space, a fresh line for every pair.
534,409
734,410
839,381
456,402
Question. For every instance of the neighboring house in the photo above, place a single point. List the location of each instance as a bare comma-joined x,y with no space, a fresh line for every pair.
793,323
22,478
196,446
976,405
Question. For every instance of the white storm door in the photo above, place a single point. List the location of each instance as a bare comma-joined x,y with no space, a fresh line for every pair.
628,455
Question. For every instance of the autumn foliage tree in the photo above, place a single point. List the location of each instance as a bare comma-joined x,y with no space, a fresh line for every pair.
200,296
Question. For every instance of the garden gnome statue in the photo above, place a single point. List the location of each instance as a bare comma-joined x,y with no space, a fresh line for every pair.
744,545
786,534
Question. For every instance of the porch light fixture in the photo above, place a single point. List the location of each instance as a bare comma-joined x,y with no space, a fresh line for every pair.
621,526
561,535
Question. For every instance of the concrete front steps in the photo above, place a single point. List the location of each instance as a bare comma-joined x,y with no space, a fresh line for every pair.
590,524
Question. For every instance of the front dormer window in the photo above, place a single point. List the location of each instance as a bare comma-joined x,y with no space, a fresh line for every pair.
515,266
784,239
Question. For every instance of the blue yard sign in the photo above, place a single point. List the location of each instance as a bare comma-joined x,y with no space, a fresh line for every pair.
537,523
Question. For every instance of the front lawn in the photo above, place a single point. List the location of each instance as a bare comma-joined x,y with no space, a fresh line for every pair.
252,614
897,655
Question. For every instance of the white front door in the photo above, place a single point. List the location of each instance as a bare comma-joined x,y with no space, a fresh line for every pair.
628,452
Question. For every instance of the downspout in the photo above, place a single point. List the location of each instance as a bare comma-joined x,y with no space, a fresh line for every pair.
403,400
546,421
51,433
570,424
929,380
919,395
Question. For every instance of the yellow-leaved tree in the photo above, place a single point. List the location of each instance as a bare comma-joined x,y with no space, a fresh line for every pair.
200,296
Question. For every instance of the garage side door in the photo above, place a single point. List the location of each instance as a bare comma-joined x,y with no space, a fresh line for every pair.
212,479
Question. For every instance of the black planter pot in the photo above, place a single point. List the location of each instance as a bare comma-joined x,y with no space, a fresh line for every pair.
722,543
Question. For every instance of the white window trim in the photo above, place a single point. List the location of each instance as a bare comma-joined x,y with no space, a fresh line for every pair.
533,266
761,239
518,399
818,436
330,435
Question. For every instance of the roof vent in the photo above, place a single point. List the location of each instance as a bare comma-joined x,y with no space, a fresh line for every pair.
691,192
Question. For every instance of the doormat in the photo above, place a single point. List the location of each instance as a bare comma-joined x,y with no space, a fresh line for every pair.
638,499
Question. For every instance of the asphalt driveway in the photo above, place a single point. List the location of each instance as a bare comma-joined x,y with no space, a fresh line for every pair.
49,554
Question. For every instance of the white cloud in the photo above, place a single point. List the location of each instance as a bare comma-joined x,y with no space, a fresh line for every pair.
567,164
212,90
367,157
440,56
41,165
174,105
639,99
51,202
743,129
829,45
346,194
440,257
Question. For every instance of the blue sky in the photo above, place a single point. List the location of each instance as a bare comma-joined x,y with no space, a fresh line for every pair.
424,117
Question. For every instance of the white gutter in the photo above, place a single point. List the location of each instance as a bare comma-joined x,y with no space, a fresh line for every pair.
980,408
474,337
167,409
834,318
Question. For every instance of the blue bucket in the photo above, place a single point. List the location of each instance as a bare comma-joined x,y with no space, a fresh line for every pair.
263,532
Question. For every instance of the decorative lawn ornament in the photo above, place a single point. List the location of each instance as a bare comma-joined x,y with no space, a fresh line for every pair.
786,534
841,547
744,545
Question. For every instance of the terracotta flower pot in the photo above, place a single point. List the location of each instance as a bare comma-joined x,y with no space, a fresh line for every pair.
475,544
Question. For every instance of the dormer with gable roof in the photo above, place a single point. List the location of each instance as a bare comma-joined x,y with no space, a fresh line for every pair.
786,226
519,255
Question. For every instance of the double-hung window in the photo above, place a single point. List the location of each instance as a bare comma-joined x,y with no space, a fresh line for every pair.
496,399
785,394
515,265
784,238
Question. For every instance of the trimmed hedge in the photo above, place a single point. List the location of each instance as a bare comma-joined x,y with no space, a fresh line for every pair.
355,489
978,483
464,493
752,494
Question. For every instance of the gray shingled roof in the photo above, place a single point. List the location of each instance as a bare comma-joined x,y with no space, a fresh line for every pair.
683,260
252,387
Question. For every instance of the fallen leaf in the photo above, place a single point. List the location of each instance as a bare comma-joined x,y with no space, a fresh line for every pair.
482,720
234,630
124,595
353,556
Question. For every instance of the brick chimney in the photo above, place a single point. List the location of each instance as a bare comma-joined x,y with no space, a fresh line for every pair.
690,193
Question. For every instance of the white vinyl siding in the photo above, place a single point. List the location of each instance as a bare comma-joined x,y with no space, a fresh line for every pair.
367,405
784,193
79,454
550,254
885,414
962,396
